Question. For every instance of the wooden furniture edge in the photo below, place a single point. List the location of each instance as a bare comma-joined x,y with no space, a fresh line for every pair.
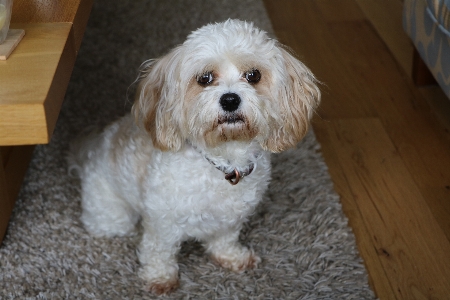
30,123
14,160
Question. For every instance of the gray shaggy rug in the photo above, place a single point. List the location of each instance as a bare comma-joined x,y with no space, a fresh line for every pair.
299,230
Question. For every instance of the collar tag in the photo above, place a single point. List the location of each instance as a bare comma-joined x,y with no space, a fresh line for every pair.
233,176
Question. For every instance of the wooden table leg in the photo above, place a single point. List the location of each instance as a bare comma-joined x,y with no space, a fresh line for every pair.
14,162
420,73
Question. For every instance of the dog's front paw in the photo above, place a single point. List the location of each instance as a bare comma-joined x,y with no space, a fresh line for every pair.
160,281
161,286
238,260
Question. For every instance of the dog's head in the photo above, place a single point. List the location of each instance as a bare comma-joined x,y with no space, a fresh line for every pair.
227,82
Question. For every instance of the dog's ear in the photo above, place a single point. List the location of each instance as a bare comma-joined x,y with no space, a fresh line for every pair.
298,96
155,101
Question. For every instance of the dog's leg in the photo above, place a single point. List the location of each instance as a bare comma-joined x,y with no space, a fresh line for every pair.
229,253
104,213
157,255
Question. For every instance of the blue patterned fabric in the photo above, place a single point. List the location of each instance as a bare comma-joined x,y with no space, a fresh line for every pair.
427,22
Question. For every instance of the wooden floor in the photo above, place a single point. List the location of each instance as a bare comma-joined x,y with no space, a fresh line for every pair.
386,142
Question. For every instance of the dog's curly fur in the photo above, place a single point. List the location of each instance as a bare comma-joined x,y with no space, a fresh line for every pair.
164,163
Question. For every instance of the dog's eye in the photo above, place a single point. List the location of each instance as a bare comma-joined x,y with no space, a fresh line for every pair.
253,76
205,78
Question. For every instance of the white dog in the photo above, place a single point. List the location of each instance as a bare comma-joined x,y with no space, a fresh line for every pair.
192,161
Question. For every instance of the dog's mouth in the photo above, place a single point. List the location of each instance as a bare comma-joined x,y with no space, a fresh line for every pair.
231,119
230,127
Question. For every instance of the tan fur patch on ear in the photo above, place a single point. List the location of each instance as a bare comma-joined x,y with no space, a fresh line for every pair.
287,138
149,121
152,107
146,101
299,97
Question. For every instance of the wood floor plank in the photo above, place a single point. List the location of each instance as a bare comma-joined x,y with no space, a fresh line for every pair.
423,144
363,80
379,280
438,200
386,17
316,46
402,109
347,10
415,257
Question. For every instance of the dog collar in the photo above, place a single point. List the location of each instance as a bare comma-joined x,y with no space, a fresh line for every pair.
235,175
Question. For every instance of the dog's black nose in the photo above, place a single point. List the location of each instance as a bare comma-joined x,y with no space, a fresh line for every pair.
230,101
